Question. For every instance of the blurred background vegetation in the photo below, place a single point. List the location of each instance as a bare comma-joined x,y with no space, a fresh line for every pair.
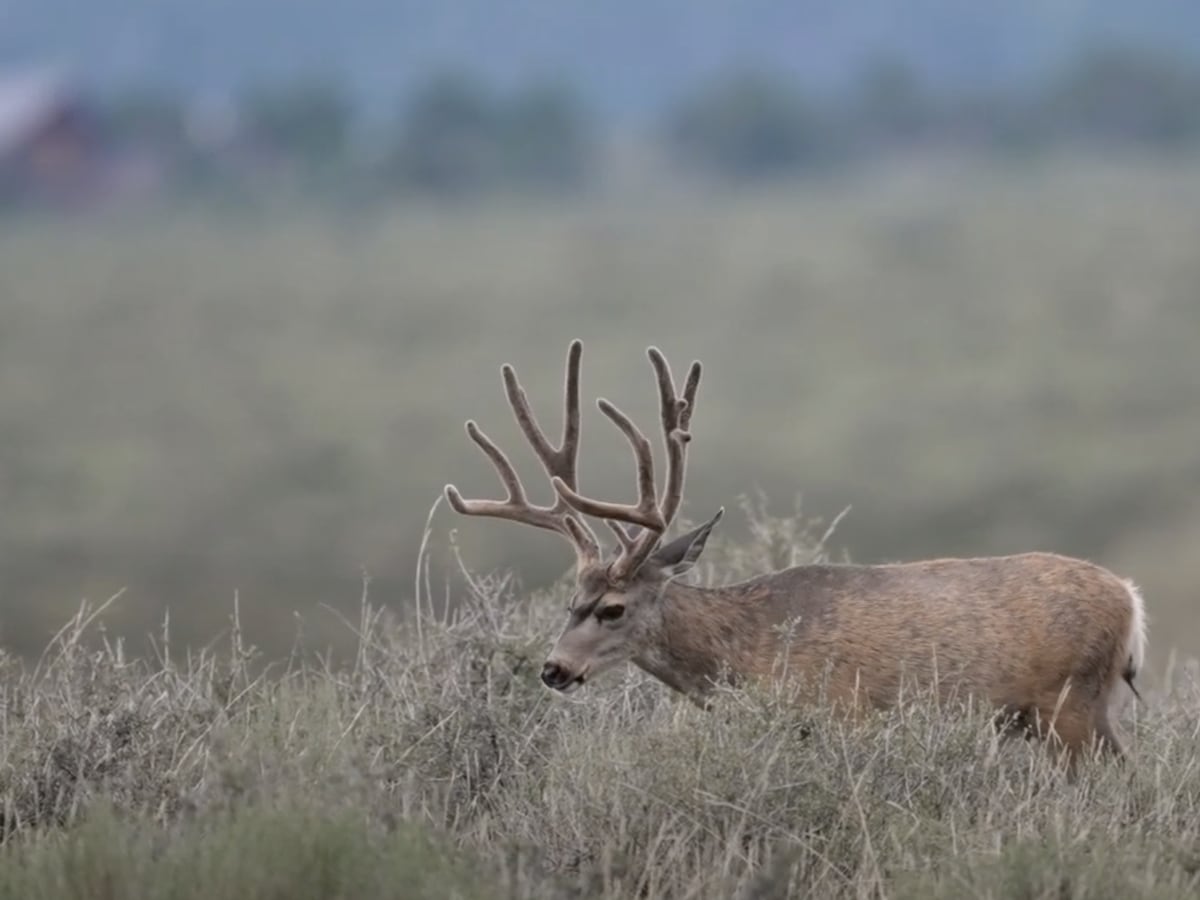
940,268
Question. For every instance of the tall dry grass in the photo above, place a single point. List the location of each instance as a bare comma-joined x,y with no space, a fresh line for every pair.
435,765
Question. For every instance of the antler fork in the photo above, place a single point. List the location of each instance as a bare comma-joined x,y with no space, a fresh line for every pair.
560,463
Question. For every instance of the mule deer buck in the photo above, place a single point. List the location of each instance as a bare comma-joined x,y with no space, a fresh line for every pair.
1045,638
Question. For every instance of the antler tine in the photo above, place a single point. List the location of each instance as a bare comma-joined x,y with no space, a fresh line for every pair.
689,395
560,463
645,512
569,449
676,414
515,506
625,539
561,460
582,535
512,481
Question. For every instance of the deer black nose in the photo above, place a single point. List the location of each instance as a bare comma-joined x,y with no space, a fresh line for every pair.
555,676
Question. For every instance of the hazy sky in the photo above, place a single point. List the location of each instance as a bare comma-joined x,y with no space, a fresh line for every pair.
628,56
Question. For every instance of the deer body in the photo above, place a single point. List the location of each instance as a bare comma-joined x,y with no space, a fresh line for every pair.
1010,630
1044,638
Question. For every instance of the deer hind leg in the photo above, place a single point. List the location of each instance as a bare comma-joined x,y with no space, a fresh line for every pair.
1075,730
1101,709
1106,735
1068,728
1107,706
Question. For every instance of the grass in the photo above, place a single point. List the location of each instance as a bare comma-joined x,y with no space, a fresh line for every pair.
261,851
434,765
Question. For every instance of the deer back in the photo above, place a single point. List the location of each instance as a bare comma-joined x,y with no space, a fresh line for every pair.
1009,628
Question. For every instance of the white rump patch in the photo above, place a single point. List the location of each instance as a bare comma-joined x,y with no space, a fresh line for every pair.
1135,645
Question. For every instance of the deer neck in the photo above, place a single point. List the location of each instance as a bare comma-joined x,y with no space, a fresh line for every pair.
700,640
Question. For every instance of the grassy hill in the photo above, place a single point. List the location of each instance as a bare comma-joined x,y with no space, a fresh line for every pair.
976,359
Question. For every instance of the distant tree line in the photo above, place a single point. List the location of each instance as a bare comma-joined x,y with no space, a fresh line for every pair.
455,136
753,125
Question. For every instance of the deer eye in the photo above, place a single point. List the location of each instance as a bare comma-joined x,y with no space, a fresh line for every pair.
610,613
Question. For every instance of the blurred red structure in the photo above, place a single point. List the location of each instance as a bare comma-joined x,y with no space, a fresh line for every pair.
51,147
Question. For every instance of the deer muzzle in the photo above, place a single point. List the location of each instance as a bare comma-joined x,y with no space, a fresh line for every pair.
558,677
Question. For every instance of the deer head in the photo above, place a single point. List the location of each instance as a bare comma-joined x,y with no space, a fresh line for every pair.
615,612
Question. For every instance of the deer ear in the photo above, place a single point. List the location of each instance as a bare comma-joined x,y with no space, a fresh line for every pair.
681,554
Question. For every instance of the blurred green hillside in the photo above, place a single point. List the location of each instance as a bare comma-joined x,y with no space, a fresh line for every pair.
977,359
